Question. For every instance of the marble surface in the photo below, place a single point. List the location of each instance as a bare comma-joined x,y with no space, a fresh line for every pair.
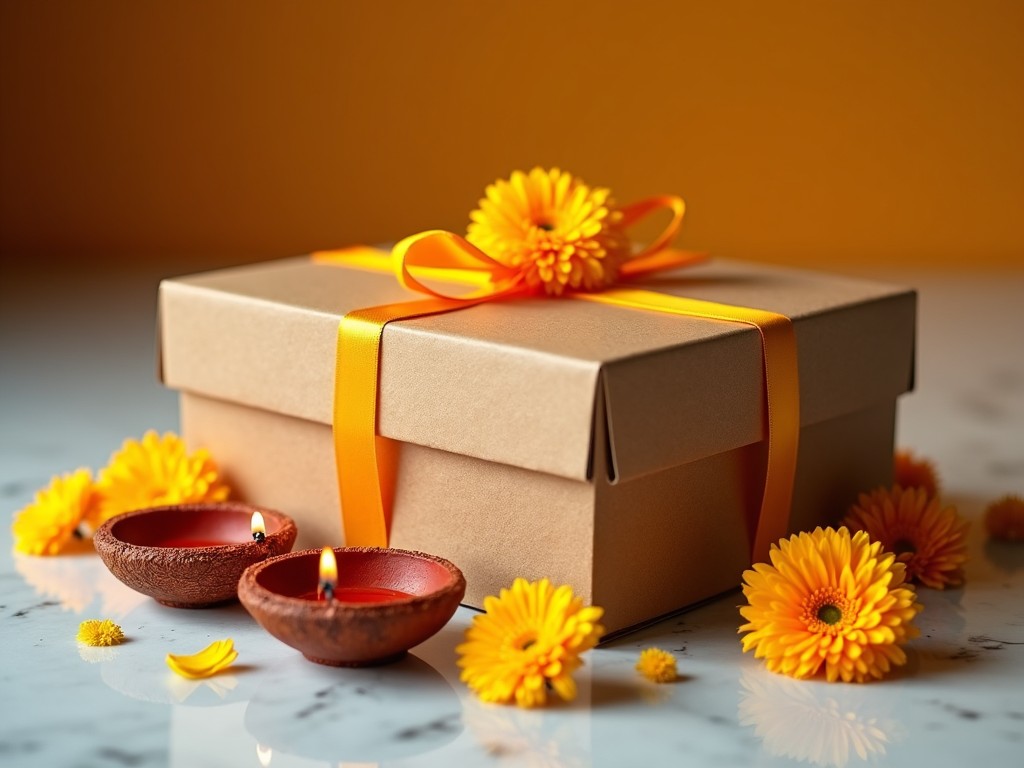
77,376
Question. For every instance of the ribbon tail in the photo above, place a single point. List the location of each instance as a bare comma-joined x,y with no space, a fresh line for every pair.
366,462
782,392
356,257
660,262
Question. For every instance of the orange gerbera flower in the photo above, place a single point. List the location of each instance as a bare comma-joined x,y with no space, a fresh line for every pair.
929,539
529,639
829,601
560,232
909,471
154,471
1004,518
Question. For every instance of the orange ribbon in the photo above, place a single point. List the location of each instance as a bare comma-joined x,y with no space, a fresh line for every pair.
365,461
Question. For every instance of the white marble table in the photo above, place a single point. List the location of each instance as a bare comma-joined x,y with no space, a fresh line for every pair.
77,366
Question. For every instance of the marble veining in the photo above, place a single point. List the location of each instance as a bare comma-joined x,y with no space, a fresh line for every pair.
959,701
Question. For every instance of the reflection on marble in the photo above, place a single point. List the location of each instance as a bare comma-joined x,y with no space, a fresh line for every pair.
958,701
529,737
74,581
814,722
156,683
64,580
1004,555
373,715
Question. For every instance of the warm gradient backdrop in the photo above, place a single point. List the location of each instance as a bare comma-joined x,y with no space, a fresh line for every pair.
804,132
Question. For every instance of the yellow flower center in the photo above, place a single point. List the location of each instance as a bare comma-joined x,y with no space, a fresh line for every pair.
829,614
827,610
524,640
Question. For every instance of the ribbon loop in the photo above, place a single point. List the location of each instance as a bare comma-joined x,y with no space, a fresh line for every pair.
641,209
445,256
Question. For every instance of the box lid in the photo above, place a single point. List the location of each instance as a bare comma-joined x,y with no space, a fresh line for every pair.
521,382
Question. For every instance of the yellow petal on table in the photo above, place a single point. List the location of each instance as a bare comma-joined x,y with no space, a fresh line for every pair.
208,661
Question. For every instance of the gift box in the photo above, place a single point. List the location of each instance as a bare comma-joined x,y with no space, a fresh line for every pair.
617,450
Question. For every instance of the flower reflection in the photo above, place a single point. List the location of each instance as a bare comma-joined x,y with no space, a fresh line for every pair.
75,581
813,723
65,578
181,689
1006,556
530,737
97,655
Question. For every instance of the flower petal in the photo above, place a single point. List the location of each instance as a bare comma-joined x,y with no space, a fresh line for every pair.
207,662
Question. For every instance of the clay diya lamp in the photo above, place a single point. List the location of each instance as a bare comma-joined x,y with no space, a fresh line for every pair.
191,555
367,608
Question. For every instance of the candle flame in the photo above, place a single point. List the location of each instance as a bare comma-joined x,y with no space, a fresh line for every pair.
258,527
328,571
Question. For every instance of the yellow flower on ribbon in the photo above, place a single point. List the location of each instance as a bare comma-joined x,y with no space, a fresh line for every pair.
560,232
100,633
909,471
1004,518
50,524
929,539
212,659
154,471
529,639
830,601
657,665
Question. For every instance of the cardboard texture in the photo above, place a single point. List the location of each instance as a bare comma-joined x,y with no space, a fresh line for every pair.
616,450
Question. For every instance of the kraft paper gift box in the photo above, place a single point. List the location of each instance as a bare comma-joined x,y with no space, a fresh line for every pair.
617,450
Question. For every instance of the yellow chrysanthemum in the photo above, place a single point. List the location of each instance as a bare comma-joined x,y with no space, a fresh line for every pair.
657,665
909,471
100,633
929,540
829,600
158,470
1004,518
529,639
560,232
50,524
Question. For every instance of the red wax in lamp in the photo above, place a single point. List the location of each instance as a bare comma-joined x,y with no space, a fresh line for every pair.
364,594
195,543
256,525
359,595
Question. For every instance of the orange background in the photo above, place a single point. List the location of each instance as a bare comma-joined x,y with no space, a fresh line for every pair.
803,132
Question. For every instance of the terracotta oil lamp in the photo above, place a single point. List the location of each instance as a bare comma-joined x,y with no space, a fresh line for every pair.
355,606
191,555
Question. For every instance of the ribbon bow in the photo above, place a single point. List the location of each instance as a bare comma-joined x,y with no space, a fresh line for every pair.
365,460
